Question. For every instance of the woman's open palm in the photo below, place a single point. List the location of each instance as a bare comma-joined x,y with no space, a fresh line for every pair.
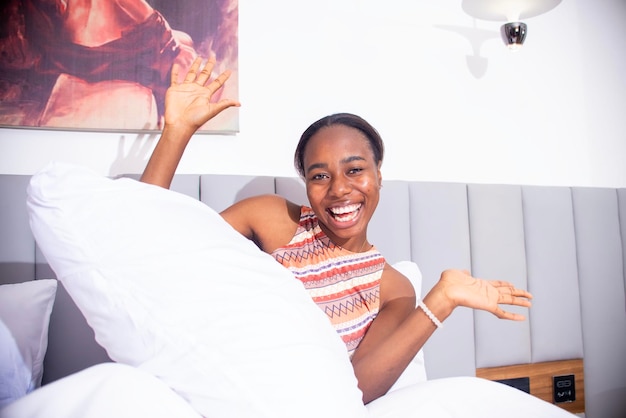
189,102
487,295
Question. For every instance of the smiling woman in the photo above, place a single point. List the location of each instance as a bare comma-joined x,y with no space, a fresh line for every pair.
371,304
341,171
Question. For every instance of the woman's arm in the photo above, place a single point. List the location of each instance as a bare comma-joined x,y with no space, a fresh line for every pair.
400,330
269,221
188,106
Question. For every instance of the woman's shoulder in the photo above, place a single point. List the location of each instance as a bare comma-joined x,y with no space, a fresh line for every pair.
267,204
270,220
395,285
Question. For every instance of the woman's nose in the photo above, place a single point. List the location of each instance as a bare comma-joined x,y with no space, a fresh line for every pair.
340,186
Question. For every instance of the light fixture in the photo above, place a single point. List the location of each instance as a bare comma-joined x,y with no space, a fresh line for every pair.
513,34
510,11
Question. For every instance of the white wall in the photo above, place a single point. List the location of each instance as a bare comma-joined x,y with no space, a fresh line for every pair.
452,103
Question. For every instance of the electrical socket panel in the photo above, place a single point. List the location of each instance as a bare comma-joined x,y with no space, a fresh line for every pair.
564,388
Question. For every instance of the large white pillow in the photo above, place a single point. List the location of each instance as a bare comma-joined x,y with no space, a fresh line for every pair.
24,318
169,287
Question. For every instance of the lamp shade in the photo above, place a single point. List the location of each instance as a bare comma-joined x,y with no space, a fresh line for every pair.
507,10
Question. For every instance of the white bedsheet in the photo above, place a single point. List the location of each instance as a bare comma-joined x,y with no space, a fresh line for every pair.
462,397
116,390
103,391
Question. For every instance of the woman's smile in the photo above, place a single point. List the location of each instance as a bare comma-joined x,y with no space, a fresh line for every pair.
345,213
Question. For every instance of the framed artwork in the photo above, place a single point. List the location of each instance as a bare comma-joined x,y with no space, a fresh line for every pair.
104,65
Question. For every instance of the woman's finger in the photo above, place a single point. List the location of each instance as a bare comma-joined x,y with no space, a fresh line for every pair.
508,288
514,300
225,104
174,75
205,74
219,81
520,293
193,70
509,315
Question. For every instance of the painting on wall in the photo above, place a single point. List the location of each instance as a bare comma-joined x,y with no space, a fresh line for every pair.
104,65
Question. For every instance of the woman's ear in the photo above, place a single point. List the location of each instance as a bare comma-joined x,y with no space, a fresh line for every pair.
380,175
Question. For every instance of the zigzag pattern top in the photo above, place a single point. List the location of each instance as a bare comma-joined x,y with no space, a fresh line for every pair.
345,285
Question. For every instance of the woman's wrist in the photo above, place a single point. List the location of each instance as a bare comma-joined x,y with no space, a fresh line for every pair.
178,132
166,156
439,303
429,313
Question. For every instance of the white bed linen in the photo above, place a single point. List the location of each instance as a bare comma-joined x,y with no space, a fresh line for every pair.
116,390
462,397
103,391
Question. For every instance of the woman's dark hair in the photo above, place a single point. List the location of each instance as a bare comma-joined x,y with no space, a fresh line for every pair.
345,119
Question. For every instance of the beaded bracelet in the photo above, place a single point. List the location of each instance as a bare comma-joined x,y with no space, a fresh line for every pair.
429,313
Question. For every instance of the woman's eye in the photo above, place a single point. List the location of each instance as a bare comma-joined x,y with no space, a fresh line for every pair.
318,176
355,170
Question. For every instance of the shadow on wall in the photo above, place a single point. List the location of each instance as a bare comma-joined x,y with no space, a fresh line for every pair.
292,189
476,63
137,157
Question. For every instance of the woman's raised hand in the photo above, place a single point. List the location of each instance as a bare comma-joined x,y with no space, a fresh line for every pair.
188,106
188,103
461,289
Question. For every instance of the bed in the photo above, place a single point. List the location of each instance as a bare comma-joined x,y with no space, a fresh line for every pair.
158,339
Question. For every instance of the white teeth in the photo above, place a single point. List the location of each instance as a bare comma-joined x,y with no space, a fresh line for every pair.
345,209
345,213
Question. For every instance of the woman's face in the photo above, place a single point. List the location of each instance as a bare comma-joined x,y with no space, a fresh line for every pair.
343,183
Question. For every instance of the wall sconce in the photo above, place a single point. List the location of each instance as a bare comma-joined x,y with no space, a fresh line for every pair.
510,11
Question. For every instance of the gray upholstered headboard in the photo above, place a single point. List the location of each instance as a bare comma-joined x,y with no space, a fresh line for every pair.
566,245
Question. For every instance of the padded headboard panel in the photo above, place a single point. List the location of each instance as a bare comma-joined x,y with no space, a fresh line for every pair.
17,245
600,253
566,245
440,239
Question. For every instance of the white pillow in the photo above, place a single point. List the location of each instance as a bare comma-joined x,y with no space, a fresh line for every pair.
169,287
15,375
416,370
24,318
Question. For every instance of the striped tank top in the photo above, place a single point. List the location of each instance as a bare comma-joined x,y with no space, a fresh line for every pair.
345,285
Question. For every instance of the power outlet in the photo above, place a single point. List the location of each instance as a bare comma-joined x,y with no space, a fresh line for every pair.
564,388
